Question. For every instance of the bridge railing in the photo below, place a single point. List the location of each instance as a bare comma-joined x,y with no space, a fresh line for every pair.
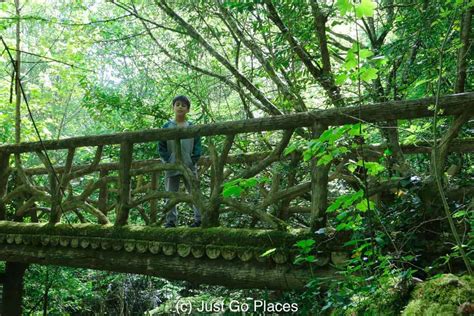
126,190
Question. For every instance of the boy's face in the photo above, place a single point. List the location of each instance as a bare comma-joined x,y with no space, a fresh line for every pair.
180,108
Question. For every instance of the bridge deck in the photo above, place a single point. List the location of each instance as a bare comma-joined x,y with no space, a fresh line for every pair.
225,256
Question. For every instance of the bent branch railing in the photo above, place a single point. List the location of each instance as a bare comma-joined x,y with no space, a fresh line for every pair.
91,191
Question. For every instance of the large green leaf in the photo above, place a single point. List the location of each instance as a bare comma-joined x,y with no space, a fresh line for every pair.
368,74
344,6
365,8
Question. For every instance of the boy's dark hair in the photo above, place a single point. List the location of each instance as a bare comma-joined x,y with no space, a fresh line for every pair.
183,99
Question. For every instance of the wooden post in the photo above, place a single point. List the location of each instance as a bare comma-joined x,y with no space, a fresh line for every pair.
283,211
153,202
13,288
55,199
124,190
103,193
319,186
4,173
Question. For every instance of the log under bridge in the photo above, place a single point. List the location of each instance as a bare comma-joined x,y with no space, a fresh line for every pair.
105,214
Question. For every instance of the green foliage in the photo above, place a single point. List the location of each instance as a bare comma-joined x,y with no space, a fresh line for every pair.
386,294
80,291
344,6
373,168
345,201
333,143
241,6
237,187
365,8
360,63
304,248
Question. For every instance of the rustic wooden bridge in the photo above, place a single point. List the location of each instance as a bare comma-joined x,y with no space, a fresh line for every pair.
105,214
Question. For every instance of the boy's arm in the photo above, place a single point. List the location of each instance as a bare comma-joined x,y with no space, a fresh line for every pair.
197,150
163,148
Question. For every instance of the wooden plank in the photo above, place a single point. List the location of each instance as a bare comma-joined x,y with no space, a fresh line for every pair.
409,109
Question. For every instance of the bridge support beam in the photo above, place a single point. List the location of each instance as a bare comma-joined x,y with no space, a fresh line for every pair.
13,288
4,171
123,207
223,256
233,274
319,185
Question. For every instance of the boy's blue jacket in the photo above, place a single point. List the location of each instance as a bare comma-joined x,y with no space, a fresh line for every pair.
191,150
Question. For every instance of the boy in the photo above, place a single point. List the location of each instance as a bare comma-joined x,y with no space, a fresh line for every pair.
191,152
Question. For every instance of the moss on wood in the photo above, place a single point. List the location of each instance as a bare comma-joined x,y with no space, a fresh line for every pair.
155,240
216,236
447,295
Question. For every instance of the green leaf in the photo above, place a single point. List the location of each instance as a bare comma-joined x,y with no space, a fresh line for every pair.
268,252
324,160
420,82
340,78
334,205
365,8
365,53
340,151
341,216
351,198
355,130
342,226
373,168
234,191
352,242
307,155
350,63
363,206
306,243
288,150
344,6
387,152
249,183
327,135
299,260
459,214
368,74
345,201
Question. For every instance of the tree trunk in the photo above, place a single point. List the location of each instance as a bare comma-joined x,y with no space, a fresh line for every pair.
463,53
